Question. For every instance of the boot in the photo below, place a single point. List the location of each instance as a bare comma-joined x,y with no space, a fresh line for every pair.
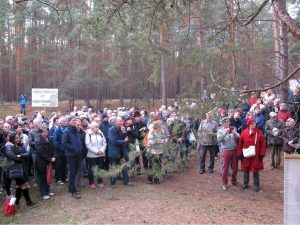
18,196
256,181
246,180
27,197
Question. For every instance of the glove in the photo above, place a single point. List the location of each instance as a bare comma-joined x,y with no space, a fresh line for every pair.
261,157
240,157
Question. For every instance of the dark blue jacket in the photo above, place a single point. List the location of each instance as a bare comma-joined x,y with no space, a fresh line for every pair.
57,140
116,143
260,121
104,127
71,141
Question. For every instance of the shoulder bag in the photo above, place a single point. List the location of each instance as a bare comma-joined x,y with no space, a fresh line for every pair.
250,151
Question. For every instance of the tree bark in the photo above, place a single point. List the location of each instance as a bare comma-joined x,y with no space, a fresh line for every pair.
284,66
162,70
291,25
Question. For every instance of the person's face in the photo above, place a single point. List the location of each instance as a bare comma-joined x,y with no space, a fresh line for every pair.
208,116
84,122
17,139
1,125
97,120
95,129
105,119
273,118
10,121
257,111
138,119
226,124
19,129
252,125
128,123
6,127
63,122
73,122
56,122
290,124
45,133
119,123
78,124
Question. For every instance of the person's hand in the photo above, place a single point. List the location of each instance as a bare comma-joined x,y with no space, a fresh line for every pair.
128,128
291,143
53,160
126,139
19,156
179,140
228,130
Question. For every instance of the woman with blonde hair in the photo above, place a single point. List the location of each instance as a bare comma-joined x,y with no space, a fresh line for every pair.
156,139
96,146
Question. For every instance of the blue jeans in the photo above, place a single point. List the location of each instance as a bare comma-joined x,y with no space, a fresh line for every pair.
74,165
61,168
113,180
42,182
33,155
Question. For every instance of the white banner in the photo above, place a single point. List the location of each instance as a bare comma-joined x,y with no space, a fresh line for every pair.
291,191
44,97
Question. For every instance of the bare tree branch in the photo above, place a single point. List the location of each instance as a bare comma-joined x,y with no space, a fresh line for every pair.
255,14
261,89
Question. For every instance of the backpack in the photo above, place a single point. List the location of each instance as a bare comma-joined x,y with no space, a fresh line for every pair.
91,136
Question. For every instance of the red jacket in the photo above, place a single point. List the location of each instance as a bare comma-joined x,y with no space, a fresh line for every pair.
253,164
284,115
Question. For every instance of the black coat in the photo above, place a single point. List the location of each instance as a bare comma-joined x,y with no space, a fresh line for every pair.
44,154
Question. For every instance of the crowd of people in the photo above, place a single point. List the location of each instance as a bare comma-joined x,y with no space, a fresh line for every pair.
78,141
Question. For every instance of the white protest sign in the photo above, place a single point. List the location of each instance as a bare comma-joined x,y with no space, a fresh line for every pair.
44,97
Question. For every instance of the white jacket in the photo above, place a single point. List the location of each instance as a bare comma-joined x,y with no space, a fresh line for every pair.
95,143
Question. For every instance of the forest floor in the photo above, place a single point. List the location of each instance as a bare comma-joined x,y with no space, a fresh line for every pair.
186,198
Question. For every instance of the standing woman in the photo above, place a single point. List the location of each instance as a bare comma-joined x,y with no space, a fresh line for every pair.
96,146
44,156
249,137
156,139
15,152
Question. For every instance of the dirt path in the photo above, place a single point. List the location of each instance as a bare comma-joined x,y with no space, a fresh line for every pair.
187,197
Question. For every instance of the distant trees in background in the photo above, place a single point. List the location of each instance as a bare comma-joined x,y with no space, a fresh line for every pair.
101,49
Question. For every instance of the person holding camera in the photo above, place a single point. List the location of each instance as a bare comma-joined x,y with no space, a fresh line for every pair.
228,138
290,137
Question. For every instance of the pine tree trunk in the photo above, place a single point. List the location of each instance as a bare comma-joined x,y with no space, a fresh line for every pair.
162,71
284,66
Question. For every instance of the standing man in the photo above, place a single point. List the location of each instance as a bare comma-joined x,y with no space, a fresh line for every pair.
71,141
23,101
61,160
274,129
117,149
33,137
207,133
104,127
228,138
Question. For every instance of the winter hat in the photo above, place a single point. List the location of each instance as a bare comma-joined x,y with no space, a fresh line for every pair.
69,118
136,114
224,119
250,120
272,114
